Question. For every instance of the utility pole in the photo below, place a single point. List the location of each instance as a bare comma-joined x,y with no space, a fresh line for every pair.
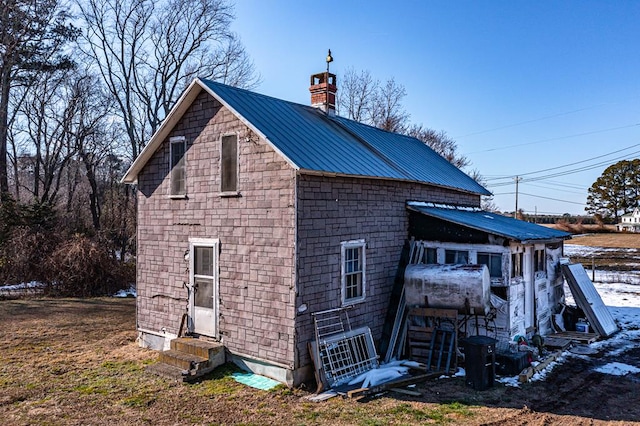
517,179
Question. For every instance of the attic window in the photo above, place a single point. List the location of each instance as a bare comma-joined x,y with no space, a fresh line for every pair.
177,167
229,164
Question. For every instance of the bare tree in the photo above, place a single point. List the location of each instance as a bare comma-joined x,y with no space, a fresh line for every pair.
49,116
33,35
95,135
440,142
388,113
356,94
147,52
364,99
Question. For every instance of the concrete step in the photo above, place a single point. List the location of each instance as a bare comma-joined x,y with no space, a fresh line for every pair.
188,359
198,347
182,360
168,371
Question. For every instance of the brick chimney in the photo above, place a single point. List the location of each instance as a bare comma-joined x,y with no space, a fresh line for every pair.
323,92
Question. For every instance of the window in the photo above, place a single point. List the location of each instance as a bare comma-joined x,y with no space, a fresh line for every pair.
539,263
353,271
516,265
229,164
493,262
177,165
430,256
203,276
457,257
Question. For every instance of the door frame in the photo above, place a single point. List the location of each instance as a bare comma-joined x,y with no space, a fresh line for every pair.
215,244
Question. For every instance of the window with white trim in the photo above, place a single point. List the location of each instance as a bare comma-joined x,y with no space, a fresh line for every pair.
229,164
493,262
456,257
178,146
353,271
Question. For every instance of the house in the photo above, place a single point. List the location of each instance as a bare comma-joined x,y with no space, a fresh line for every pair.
254,213
629,222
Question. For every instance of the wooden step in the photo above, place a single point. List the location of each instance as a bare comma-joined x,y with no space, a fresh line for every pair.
183,360
198,347
168,371
188,359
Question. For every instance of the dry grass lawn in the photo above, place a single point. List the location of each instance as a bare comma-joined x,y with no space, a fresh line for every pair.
71,361
612,240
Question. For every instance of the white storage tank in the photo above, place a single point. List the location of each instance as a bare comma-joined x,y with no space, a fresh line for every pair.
449,286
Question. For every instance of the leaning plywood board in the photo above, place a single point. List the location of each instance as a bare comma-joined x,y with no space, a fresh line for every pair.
589,300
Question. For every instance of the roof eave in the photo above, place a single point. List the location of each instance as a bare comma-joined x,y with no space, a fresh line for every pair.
499,234
546,240
385,178
176,113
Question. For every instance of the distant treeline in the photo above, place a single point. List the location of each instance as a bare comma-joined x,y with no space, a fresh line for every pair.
554,219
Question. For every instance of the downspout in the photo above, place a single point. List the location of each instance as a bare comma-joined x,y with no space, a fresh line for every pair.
296,357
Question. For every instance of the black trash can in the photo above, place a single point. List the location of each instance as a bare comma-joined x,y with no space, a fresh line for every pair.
480,361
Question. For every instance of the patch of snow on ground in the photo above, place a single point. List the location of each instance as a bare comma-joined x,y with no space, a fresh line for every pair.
509,381
130,292
384,373
617,369
623,300
22,286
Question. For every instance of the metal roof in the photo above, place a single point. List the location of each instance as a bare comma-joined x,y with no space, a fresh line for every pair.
492,223
315,141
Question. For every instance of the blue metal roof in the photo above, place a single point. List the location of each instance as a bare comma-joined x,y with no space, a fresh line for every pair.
317,142
492,223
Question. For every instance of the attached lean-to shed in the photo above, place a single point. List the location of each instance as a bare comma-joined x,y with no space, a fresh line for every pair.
522,259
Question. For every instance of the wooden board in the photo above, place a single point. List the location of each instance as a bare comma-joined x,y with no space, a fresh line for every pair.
574,336
554,342
528,372
419,337
357,393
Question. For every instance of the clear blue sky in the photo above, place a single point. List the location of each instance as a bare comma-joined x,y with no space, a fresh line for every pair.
521,86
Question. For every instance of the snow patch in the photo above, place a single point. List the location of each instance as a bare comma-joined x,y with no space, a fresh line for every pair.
617,369
130,292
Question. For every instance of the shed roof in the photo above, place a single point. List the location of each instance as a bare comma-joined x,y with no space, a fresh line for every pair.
493,223
314,142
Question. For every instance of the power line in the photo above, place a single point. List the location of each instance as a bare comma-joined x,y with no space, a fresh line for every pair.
540,196
583,161
557,189
574,163
552,199
567,172
546,117
577,135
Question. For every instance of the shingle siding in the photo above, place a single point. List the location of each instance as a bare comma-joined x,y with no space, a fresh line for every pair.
279,240
256,233
332,210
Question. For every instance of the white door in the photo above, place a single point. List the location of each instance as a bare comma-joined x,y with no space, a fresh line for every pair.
204,286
